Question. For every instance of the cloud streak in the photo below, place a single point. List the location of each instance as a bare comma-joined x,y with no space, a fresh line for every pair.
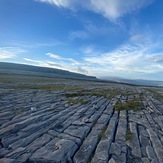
59,63
111,9
114,9
43,63
10,52
54,56
128,59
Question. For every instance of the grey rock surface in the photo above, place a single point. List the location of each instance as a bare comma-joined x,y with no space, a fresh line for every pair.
80,123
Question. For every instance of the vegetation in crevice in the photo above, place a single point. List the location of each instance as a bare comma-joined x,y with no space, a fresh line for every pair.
136,104
128,134
73,101
97,92
101,134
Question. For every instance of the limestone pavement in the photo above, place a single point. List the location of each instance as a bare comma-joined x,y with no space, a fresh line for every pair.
44,126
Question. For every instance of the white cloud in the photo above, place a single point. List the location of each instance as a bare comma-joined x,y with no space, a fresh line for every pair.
127,59
112,9
88,50
157,58
43,63
10,52
58,65
59,3
138,38
54,56
33,60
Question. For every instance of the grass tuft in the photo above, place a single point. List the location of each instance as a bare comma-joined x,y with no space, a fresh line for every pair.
130,105
73,101
128,134
101,134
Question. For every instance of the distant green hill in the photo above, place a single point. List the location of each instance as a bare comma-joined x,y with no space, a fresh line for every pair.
21,69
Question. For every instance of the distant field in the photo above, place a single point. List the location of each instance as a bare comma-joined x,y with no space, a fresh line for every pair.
20,76
14,75
10,78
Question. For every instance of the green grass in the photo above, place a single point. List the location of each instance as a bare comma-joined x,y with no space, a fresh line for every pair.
11,78
130,105
73,101
101,134
105,92
98,93
128,134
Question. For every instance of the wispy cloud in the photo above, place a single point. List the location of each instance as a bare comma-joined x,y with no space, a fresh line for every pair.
10,52
43,63
69,64
59,3
48,43
112,9
60,63
138,38
157,58
88,49
91,31
54,56
129,59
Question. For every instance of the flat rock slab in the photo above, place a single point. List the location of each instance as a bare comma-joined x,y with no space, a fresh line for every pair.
57,150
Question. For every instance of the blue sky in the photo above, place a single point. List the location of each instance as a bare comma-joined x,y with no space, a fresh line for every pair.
94,37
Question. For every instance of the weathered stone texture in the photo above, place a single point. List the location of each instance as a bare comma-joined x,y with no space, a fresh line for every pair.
43,126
